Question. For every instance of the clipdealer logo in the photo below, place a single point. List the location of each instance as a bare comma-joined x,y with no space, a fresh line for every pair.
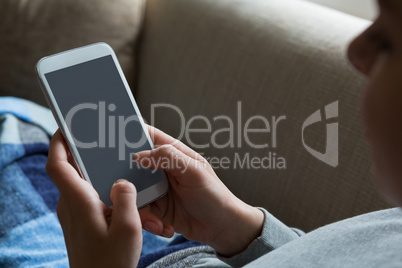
331,155
237,133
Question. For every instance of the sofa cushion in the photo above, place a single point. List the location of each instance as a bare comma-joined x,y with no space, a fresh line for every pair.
30,30
278,58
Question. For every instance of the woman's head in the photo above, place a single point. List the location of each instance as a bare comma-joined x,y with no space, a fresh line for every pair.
377,53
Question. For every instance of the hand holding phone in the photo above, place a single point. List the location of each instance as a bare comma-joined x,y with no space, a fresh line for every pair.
94,236
97,114
197,205
89,96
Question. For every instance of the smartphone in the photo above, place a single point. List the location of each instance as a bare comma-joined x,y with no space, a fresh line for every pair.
99,118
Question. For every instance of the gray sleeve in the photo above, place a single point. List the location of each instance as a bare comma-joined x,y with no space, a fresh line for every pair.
274,235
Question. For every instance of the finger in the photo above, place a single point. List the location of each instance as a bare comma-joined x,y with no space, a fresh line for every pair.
64,222
65,177
170,159
153,224
160,138
151,219
125,217
58,167
62,214
168,231
58,159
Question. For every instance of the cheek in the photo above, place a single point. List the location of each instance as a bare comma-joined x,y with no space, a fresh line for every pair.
382,112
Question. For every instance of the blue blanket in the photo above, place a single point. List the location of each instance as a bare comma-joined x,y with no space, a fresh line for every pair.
30,233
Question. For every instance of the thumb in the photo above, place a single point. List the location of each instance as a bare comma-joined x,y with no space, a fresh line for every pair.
125,217
169,158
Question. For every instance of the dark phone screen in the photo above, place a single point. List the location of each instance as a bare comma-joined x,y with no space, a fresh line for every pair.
100,115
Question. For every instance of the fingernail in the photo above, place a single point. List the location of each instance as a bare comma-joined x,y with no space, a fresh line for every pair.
150,226
136,157
167,235
120,181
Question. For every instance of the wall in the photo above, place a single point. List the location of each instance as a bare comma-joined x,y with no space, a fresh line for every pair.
362,8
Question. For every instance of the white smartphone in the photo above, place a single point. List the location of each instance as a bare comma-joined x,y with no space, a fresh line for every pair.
97,114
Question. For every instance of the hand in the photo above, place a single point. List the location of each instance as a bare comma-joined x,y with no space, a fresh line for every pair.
198,204
95,235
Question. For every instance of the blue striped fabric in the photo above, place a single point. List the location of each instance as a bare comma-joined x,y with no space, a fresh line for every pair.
30,233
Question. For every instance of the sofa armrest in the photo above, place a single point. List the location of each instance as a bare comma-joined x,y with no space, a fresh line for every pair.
273,58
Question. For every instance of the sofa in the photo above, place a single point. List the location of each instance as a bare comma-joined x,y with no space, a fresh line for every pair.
199,64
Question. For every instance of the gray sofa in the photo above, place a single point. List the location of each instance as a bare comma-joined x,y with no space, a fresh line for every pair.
272,58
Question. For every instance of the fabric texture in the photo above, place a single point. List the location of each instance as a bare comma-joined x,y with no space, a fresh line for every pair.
277,58
370,240
31,30
30,233
175,251
274,235
184,258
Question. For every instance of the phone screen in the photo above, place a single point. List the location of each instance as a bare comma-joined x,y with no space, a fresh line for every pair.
103,122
